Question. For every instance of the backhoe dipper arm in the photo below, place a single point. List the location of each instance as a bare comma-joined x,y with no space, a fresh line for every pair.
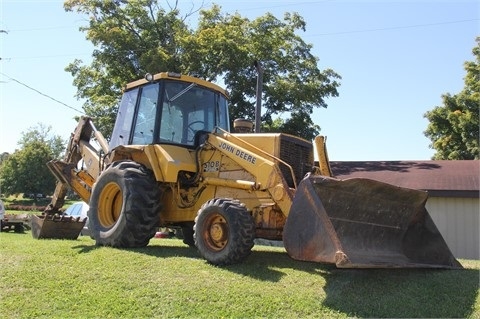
78,145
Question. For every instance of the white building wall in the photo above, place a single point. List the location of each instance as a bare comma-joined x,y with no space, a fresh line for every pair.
458,221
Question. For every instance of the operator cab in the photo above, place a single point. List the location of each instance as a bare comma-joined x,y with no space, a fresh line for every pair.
169,108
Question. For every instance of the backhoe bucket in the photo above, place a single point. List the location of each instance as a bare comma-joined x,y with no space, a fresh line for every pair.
56,226
361,223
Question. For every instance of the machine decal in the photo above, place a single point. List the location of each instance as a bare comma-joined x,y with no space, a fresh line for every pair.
237,152
212,166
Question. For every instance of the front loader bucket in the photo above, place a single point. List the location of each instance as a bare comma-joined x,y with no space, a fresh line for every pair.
361,223
56,226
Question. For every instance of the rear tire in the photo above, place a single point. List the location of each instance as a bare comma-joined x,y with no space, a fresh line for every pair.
124,206
224,231
187,234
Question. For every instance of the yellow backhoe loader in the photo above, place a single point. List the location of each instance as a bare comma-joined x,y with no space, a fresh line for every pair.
173,162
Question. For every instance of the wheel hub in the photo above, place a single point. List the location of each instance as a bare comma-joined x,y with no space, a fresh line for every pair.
218,232
110,205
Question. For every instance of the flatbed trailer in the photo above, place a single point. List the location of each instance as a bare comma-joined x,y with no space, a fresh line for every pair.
15,222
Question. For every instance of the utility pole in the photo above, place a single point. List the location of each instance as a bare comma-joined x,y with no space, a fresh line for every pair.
258,106
3,31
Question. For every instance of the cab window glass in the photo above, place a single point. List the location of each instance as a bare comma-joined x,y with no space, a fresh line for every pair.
145,120
223,118
123,123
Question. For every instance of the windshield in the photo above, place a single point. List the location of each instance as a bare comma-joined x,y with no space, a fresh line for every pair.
187,109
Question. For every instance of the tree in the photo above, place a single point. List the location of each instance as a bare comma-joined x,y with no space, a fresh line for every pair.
293,84
133,38
454,126
42,134
3,157
138,37
25,170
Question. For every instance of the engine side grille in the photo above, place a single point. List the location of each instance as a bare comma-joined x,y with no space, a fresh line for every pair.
299,154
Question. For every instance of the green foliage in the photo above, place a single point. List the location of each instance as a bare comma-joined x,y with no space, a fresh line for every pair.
25,170
132,38
292,82
3,157
454,126
42,134
136,37
299,124
166,279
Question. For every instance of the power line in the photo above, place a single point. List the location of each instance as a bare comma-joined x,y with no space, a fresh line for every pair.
276,5
41,93
46,56
308,35
42,28
395,28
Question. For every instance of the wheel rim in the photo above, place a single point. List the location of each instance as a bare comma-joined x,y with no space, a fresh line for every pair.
110,205
216,232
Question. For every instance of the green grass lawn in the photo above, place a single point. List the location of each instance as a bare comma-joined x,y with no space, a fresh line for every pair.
76,279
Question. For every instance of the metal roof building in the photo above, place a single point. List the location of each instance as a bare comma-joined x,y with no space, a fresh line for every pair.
453,188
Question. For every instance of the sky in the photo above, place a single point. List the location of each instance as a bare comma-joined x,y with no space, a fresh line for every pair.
396,60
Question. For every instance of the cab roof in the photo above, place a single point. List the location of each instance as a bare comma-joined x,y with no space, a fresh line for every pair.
176,77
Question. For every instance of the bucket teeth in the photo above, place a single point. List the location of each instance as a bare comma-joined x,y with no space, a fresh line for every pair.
56,226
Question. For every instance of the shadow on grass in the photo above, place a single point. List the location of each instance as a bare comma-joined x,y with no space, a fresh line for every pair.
403,293
258,265
159,251
380,293
83,249
268,265
398,293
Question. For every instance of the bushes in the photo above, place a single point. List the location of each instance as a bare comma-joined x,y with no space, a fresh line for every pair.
24,207
13,203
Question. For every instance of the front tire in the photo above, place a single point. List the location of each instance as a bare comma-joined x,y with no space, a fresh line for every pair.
224,231
124,206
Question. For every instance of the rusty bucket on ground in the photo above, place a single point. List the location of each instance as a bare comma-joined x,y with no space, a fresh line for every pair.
56,226
361,223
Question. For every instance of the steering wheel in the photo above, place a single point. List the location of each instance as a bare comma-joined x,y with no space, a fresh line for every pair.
192,131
